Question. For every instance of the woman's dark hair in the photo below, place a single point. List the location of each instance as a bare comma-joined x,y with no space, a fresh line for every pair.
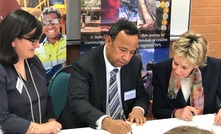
15,25
123,25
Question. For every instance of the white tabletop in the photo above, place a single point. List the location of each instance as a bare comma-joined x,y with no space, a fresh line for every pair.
159,126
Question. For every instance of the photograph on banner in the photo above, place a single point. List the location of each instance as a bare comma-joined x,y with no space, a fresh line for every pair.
154,24
90,24
152,17
52,44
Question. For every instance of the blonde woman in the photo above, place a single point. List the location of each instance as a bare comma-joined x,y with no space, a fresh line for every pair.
189,83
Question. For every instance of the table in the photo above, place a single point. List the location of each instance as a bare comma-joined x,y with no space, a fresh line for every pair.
158,126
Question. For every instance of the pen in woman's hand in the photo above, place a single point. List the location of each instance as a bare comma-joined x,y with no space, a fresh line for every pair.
124,118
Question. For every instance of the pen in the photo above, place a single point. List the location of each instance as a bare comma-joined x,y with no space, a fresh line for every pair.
124,118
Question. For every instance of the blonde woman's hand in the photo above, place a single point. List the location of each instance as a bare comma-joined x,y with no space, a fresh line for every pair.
217,119
186,113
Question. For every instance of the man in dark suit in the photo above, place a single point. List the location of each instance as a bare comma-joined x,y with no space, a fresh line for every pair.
88,86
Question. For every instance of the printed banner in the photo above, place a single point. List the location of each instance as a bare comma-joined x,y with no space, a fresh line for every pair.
151,16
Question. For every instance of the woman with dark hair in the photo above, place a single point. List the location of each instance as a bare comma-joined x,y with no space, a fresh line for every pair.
25,106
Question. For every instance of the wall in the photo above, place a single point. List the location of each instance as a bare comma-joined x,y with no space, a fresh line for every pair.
206,19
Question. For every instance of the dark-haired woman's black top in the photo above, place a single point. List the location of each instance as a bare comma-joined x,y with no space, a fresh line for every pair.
15,111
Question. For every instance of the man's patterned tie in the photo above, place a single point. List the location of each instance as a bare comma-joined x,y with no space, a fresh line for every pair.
114,100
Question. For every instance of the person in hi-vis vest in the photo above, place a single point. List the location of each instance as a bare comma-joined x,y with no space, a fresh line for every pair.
52,50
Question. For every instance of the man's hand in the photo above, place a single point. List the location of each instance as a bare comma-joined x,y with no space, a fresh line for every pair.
137,116
116,126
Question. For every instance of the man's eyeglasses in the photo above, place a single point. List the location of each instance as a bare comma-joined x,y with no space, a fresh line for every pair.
53,22
34,41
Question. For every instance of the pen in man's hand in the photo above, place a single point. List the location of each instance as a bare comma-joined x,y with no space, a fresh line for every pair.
124,118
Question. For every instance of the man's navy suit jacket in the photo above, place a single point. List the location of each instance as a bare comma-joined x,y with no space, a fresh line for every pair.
88,90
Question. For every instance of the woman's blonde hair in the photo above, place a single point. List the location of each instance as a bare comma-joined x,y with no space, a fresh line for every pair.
192,46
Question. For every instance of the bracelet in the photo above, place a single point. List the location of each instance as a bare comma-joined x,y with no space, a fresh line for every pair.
32,128
173,113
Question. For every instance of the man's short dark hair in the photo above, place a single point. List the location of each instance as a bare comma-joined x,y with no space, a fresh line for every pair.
123,25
